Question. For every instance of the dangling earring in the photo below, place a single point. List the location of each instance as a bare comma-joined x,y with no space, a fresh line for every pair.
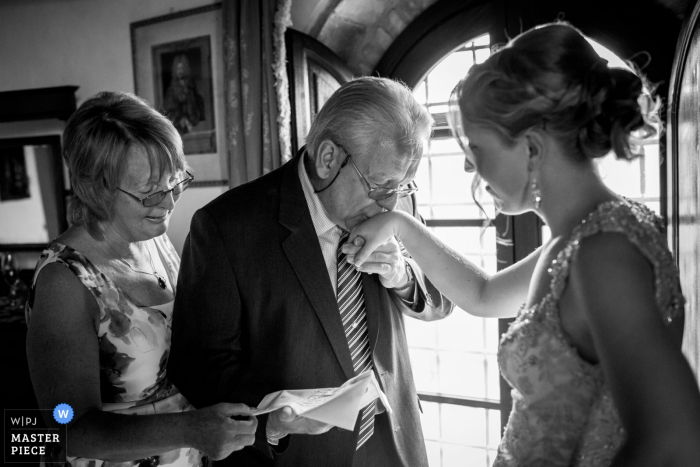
536,193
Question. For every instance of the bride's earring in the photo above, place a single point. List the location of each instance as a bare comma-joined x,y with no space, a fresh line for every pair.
535,193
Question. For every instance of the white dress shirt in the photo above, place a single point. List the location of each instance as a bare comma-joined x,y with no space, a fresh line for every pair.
327,231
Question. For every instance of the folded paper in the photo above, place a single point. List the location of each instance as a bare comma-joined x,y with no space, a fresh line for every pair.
333,406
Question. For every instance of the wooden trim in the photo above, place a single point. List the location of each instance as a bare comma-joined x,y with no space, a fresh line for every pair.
458,222
302,49
461,401
36,104
39,247
440,29
670,164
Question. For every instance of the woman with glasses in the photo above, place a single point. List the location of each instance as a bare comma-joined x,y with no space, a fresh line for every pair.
101,303
594,354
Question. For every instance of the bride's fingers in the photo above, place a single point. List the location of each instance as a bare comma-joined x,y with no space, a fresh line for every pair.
374,268
361,256
349,249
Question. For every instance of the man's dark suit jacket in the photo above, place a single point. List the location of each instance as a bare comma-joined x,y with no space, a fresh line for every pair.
255,313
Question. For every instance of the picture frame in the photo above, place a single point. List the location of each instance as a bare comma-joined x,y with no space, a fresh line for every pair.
178,69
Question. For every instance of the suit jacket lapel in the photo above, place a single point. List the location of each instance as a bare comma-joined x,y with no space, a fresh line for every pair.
304,254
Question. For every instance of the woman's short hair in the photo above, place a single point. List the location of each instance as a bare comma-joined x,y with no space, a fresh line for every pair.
97,141
551,77
370,112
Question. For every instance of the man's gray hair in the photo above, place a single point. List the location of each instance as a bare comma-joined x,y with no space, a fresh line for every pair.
369,112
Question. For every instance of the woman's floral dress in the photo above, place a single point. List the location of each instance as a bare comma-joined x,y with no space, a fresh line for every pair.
134,344
563,413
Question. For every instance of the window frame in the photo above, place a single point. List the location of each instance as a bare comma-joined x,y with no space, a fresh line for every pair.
447,24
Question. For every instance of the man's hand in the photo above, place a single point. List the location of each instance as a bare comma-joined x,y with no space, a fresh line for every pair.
214,431
284,420
386,260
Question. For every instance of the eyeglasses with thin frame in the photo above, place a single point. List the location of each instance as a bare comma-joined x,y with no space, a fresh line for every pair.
157,197
377,193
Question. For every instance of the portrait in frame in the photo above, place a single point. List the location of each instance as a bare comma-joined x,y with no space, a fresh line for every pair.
178,68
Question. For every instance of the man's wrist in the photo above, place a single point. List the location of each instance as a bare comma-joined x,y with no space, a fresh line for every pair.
410,280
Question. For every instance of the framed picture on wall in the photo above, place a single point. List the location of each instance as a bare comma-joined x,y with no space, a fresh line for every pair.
178,68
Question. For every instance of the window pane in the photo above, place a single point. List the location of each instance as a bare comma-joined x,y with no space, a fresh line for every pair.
455,183
425,368
434,454
652,174
445,188
464,425
473,241
462,332
621,176
445,75
430,419
420,93
459,436
482,40
482,55
461,374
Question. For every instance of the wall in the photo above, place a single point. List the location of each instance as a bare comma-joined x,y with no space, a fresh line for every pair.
29,223
74,42
86,43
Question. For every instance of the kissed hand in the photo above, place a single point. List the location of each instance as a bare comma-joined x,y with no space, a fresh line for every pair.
386,260
372,248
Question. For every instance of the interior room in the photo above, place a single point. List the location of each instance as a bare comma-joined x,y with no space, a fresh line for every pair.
56,54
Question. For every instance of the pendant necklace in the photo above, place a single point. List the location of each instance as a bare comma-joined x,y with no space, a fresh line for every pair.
159,278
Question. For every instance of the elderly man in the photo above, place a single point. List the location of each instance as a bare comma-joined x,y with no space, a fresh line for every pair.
266,299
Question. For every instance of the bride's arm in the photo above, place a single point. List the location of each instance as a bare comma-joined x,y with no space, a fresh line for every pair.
467,285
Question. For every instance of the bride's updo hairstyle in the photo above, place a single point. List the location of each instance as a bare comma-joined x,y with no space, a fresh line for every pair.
551,77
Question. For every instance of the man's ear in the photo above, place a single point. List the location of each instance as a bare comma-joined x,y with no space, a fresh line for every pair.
328,159
535,150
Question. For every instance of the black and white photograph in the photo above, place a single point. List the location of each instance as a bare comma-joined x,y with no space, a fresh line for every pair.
350,233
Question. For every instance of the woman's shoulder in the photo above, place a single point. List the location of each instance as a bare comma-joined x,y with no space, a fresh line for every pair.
621,227
62,253
618,223
622,215
62,279
624,241
64,269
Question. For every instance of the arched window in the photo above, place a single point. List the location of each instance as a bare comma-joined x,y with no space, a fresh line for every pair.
464,401
454,360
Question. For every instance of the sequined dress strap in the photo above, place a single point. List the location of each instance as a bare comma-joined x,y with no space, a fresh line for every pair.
643,229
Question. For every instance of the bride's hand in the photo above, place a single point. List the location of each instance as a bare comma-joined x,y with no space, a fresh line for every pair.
370,235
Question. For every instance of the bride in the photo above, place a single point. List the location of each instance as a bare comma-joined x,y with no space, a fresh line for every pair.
594,352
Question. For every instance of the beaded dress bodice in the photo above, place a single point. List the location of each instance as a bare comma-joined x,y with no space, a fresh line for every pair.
563,413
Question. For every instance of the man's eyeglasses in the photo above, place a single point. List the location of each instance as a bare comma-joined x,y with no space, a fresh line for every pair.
157,197
376,193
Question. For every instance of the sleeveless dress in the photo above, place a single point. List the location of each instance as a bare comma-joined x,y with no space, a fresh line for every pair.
563,412
134,344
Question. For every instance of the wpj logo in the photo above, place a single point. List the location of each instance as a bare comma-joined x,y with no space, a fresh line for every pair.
63,413
27,438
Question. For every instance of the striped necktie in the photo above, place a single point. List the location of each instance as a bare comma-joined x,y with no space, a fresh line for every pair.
351,304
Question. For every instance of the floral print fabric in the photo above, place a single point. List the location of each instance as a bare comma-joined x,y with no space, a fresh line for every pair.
563,413
134,344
